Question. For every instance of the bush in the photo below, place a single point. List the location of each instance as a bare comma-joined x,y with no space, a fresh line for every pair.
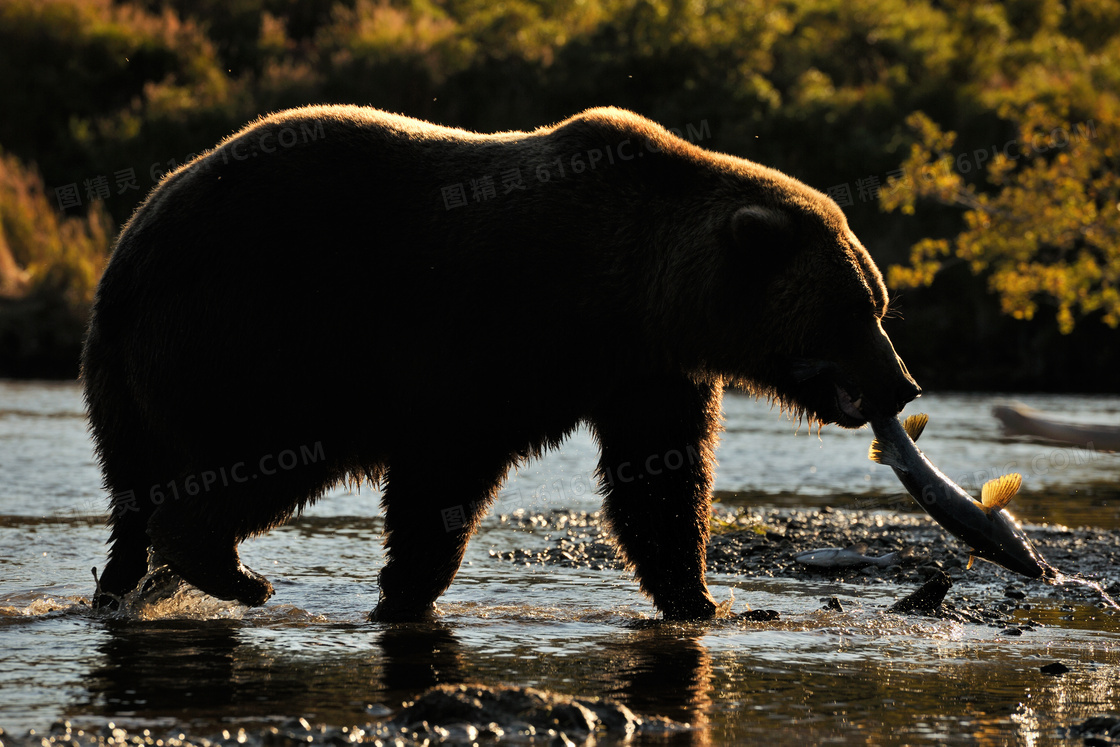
49,267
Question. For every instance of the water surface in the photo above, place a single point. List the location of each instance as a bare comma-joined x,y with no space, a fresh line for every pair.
201,666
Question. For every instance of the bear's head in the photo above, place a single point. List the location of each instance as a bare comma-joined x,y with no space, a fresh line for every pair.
805,301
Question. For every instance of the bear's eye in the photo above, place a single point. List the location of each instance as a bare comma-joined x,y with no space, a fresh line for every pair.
856,312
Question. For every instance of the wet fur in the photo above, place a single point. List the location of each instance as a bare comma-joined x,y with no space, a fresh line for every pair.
321,294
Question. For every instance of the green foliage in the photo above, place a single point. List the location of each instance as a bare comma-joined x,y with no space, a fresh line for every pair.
70,65
48,250
49,267
1044,226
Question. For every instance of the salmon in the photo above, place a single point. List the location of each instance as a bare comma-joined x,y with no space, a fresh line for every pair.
984,525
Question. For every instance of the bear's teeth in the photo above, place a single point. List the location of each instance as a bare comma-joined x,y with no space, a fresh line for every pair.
857,403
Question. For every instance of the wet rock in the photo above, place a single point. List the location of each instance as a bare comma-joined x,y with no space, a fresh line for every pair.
759,615
926,599
833,605
1054,668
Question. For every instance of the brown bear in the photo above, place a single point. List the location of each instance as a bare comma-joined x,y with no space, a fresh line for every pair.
338,293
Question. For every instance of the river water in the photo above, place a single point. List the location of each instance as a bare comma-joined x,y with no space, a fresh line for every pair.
201,666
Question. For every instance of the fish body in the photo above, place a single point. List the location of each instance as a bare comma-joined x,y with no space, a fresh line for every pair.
991,532
848,557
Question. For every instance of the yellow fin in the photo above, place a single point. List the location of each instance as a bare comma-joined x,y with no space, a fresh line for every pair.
971,560
998,493
915,424
884,453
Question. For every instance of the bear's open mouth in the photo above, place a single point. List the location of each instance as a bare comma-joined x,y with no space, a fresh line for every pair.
825,391
849,403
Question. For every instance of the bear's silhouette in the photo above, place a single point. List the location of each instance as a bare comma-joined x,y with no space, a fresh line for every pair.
335,292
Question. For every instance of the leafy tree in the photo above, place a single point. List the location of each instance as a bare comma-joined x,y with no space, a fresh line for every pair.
1045,227
821,89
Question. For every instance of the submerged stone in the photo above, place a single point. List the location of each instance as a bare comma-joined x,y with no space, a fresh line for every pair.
1054,668
926,599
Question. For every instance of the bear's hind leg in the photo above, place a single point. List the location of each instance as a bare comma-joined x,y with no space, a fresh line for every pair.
657,439
197,535
431,511
203,552
128,553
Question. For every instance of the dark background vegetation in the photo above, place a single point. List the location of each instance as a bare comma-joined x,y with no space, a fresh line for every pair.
825,90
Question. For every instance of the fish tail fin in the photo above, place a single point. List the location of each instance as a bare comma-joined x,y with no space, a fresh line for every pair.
998,493
915,424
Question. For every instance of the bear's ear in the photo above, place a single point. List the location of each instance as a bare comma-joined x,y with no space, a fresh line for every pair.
756,225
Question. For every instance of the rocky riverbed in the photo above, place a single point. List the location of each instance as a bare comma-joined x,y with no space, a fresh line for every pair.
764,543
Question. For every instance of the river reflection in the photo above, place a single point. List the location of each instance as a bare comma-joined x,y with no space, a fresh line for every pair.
664,669
210,673
164,668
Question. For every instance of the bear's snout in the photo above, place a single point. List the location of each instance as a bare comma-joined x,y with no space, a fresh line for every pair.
868,381
908,391
886,380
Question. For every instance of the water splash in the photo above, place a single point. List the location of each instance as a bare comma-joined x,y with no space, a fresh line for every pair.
1054,577
38,606
162,594
1063,579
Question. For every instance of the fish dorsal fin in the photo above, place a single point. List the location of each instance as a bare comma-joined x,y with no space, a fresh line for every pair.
915,424
998,493
859,547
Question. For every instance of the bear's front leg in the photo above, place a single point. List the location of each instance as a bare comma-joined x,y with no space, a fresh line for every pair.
431,511
658,438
